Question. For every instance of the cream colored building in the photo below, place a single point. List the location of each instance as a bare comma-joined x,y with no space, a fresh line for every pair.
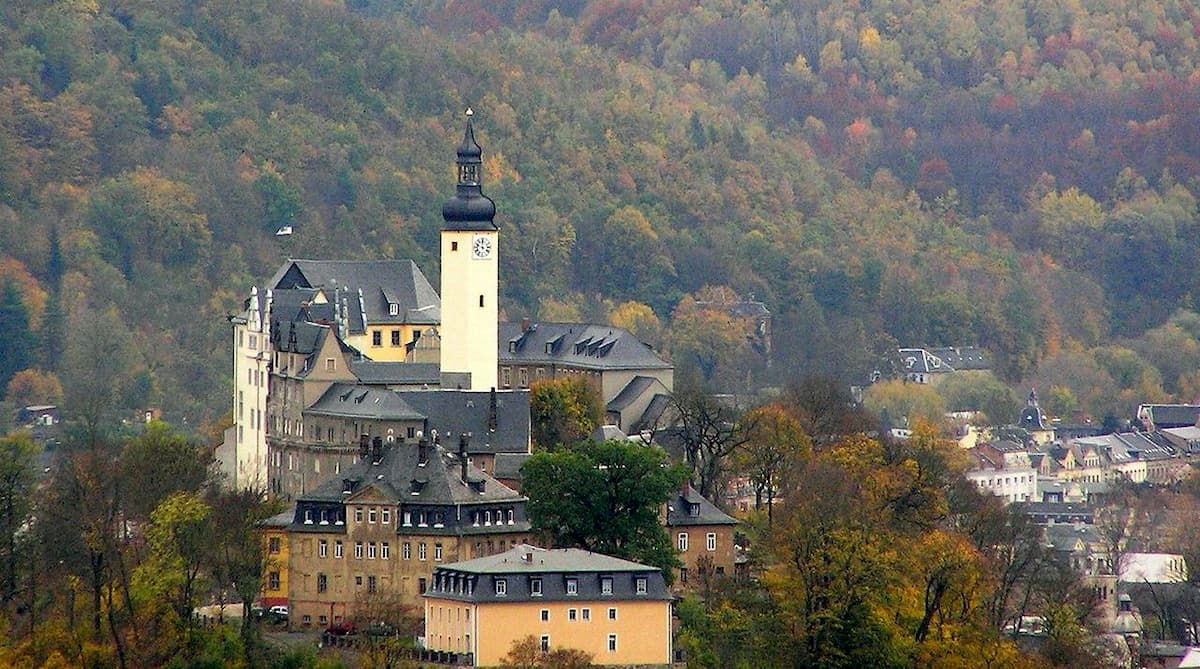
616,610
470,276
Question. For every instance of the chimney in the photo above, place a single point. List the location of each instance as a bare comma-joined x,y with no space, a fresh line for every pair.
364,446
524,325
422,452
492,417
462,455
377,449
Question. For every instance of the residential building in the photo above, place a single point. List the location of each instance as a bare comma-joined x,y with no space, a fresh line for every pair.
1161,416
632,380
382,528
1002,468
275,548
703,538
616,610
931,365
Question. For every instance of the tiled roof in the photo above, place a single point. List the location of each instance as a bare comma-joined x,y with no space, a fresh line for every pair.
1170,415
580,345
382,283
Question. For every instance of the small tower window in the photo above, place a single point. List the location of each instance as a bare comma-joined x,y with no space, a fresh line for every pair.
468,174
481,300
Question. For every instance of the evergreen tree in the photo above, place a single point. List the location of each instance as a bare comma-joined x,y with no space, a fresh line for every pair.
16,344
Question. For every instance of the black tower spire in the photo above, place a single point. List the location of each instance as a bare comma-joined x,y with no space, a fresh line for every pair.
469,209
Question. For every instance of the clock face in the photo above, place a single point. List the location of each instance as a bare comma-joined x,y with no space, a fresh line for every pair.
481,247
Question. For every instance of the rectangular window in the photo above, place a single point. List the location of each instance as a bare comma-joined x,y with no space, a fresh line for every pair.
371,584
330,364
683,542
606,585
545,643
273,581
322,583
393,309
358,514
385,551
523,376
612,614
322,548
371,515
358,550
570,614
377,338
535,587
710,541
371,551
506,377
385,516
273,545
395,337
337,549
545,615
640,586
406,551
501,587
572,586
437,552
421,553
612,643
683,575
421,585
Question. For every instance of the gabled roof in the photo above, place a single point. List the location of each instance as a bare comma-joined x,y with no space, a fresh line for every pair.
383,283
636,387
1124,447
681,506
440,479
580,345
1066,536
1169,415
351,400
557,560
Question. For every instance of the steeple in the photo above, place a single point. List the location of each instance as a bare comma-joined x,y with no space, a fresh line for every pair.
469,209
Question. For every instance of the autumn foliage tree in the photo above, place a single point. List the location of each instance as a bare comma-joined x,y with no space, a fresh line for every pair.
563,411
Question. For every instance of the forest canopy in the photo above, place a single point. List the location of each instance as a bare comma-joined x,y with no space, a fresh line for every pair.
1020,176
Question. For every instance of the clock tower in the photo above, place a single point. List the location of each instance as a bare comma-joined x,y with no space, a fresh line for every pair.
470,276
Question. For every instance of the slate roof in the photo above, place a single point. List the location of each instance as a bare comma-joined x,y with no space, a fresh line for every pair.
962,358
508,465
545,560
382,282
688,508
636,387
1063,536
1129,446
448,413
399,467
296,304
1169,415
654,411
451,412
580,345
374,372
351,400
607,433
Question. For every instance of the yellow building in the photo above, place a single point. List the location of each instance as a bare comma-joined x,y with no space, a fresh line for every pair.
275,545
703,537
616,610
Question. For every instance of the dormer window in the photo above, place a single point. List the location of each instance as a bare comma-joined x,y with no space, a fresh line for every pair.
693,509
393,309
572,586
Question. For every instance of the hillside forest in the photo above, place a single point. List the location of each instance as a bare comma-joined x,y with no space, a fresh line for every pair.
1021,175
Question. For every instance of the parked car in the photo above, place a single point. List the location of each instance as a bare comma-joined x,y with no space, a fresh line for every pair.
278,610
